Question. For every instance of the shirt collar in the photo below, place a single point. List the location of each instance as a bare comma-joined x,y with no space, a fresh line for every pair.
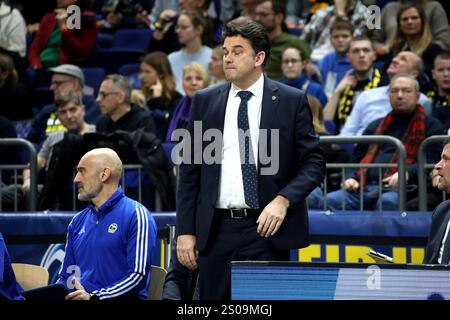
256,88
106,207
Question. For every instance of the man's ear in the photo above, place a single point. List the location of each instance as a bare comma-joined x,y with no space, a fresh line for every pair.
260,56
105,174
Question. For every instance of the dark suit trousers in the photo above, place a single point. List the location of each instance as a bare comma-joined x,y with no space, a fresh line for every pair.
232,240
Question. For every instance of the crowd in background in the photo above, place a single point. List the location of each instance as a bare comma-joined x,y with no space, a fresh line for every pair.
322,47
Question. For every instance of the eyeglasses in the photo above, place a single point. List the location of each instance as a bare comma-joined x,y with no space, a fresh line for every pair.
103,95
288,61
56,83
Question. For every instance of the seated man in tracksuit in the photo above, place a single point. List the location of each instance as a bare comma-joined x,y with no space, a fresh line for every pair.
110,243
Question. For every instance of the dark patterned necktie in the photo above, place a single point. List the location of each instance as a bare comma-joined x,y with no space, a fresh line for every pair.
249,173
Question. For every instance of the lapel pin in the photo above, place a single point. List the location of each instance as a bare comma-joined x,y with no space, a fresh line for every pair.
274,98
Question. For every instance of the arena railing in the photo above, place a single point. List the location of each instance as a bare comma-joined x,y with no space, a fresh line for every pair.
138,183
401,164
422,166
32,165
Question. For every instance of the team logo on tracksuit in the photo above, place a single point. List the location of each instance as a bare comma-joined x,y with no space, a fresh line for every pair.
112,228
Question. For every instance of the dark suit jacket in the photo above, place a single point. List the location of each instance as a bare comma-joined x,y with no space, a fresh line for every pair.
301,163
439,222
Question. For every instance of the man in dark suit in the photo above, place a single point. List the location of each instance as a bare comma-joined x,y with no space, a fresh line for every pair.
438,247
238,209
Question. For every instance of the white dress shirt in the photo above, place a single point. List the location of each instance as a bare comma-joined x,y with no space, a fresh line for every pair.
231,189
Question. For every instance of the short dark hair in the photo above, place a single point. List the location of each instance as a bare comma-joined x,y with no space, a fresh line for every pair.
300,52
445,142
278,6
362,38
63,99
342,24
251,30
444,55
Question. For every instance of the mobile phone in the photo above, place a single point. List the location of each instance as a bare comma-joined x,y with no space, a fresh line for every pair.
379,257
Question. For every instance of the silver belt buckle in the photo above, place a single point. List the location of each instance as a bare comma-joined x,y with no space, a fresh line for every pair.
233,211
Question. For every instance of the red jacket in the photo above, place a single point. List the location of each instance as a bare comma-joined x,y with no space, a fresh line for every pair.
76,43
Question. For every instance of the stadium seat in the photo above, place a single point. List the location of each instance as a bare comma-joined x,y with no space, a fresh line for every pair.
132,72
30,276
137,39
157,278
112,58
128,46
23,127
93,78
129,69
43,96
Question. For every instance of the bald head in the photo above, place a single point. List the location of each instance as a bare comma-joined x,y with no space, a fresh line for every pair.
406,62
106,158
98,175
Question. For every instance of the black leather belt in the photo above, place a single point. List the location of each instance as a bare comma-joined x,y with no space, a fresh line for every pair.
239,213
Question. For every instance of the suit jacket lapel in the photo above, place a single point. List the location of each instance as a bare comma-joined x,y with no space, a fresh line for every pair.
269,109
269,103
218,120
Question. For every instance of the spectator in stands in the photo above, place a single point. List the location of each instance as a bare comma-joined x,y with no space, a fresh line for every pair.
59,42
407,122
297,13
158,86
270,14
215,66
65,78
118,266
413,34
439,96
363,76
374,103
114,100
190,27
70,112
165,38
317,31
435,15
437,250
14,96
195,77
10,154
121,14
9,288
334,65
13,35
293,64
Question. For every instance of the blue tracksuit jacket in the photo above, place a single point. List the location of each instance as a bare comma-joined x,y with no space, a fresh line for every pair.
109,250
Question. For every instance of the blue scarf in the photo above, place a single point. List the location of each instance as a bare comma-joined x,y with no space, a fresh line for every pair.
296,83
